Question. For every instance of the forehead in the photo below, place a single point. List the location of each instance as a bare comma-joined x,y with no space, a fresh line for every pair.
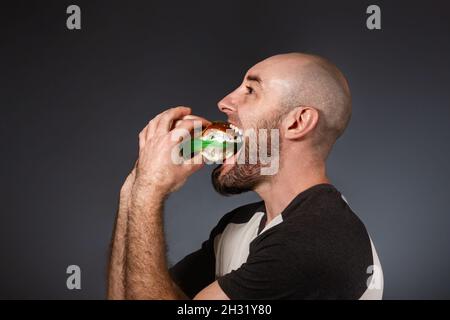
273,73
260,69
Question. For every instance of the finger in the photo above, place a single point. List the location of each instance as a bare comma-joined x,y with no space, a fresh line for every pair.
193,164
171,116
190,126
176,123
203,121
185,131
152,124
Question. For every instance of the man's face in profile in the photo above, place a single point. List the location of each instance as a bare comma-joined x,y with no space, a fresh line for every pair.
255,104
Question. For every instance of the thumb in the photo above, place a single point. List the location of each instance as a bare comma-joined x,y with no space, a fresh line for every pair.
195,163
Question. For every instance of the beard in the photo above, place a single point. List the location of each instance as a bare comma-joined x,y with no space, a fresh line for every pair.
244,176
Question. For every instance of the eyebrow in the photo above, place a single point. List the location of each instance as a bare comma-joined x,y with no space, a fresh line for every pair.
254,78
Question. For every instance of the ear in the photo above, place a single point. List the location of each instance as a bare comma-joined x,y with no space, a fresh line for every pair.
299,122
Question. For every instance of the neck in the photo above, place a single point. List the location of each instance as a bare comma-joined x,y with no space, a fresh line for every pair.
292,178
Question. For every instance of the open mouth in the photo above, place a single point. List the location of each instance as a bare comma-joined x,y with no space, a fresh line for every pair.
221,140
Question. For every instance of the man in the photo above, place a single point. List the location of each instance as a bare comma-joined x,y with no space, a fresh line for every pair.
301,242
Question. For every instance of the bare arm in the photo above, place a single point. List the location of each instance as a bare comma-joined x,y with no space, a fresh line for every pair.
116,272
141,271
157,175
212,292
147,275
117,264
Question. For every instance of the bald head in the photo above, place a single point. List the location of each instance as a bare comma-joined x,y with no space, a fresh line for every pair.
312,81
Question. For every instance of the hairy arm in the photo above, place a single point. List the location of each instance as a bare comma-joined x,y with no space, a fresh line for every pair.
138,268
116,272
147,275
117,286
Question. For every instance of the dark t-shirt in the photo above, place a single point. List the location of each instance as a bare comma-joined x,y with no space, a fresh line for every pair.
317,248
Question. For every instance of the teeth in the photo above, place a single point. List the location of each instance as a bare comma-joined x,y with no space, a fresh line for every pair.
236,129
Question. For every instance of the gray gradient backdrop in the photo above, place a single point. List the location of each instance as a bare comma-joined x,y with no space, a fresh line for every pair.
73,102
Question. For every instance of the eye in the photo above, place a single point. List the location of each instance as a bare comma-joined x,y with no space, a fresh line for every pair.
249,90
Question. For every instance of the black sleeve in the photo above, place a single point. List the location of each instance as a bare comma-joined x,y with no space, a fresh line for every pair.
271,272
198,269
195,271
300,264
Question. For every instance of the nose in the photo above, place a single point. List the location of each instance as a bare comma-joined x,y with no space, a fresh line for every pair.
227,105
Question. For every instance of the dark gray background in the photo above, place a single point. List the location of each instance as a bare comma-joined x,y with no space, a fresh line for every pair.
73,102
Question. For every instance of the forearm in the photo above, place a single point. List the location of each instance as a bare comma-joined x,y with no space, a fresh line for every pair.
116,272
147,275
157,175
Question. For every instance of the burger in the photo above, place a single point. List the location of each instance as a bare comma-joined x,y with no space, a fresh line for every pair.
218,142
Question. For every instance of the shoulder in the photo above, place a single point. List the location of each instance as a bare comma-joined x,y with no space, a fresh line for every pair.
238,215
323,213
321,249
321,221
322,229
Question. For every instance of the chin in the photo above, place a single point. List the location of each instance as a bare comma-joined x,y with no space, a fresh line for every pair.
226,167
229,179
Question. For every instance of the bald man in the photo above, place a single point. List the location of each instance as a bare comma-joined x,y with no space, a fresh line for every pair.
302,241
